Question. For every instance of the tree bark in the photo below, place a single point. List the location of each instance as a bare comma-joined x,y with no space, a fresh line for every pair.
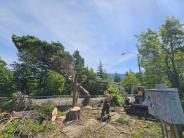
75,91
73,114
85,102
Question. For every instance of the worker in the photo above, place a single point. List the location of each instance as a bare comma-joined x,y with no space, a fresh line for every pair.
140,96
140,92
106,104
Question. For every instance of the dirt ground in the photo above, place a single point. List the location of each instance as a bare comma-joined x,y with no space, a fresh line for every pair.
120,125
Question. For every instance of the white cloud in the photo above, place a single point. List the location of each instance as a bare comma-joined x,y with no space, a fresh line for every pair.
99,29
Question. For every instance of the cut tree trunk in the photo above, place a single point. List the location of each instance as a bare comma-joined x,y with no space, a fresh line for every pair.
85,102
73,114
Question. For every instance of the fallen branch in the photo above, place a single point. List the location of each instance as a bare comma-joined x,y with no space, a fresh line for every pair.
25,113
11,119
121,130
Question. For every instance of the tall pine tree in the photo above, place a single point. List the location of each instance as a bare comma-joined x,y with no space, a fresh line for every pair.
78,65
117,78
101,72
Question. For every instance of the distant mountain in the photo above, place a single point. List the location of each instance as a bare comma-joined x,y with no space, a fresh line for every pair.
112,75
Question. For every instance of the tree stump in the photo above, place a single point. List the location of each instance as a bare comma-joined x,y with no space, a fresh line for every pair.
73,114
85,102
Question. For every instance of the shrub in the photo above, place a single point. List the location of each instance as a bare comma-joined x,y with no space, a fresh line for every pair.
6,105
117,98
45,108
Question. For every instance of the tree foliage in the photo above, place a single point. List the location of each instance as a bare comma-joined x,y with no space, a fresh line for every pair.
101,73
54,84
37,59
172,38
117,78
47,54
161,54
149,49
40,62
129,81
79,66
117,99
6,80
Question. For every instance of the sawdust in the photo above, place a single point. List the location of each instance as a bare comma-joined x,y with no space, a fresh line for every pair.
90,127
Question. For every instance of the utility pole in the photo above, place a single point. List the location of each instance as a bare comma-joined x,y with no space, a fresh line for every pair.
139,64
138,60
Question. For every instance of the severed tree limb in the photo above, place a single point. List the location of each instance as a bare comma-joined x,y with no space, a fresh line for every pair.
11,119
85,102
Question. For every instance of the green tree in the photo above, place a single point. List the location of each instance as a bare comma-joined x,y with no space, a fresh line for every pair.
6,80
36,59
162,54
93,84
54,84
172,36
117,78
29,77
22,77
52,55
129,81
149,47
87,77
79,66
36,79
101,73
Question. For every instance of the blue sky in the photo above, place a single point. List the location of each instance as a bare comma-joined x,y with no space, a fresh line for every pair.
99,29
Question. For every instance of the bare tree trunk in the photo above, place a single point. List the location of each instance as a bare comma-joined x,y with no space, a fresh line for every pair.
175,72
85,102
75,91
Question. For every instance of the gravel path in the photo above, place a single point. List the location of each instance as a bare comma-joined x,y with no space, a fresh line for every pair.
61,101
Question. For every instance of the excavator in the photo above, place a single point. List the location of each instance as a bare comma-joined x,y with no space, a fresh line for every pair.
135,104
